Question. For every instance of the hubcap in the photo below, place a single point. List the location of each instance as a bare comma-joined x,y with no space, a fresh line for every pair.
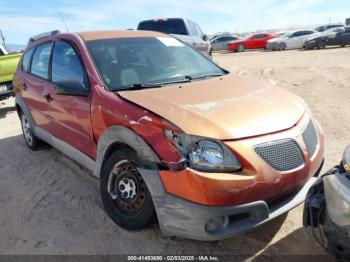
126,187
28,135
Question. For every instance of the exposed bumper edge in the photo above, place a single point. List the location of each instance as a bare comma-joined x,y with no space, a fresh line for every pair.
178,217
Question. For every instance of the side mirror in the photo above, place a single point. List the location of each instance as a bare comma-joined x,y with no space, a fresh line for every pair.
72,88
205,37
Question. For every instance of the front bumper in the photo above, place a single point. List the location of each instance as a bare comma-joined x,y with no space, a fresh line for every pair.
273,46
178,217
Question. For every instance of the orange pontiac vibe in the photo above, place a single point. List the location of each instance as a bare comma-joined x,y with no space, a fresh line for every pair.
170,135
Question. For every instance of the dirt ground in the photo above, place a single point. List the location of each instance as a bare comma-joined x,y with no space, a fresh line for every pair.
49,205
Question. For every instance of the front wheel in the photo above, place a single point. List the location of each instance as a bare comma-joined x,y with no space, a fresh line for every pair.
124,193
240,48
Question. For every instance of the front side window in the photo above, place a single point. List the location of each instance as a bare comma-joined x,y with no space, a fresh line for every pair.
67,69
40,61
26,60
124,62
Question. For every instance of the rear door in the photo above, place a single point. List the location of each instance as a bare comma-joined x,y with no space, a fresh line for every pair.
69,100
34,79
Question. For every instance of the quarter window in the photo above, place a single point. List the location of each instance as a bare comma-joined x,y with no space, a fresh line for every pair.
26,60
67,70
41,59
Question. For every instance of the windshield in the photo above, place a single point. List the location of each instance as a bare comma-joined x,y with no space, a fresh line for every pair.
148,61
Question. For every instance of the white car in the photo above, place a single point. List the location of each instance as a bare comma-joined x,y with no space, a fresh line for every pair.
290,40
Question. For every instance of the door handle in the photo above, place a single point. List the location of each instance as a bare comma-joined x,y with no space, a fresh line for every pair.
48,97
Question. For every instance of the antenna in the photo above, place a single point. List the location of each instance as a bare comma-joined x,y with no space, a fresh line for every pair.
63,21
3,39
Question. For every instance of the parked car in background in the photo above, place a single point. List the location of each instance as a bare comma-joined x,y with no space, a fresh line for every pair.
339,37
347,21
323,28
168,133
220,43
8,65
181,28
292,40
327,209
255,41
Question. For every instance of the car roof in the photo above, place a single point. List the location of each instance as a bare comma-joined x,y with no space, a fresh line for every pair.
95,35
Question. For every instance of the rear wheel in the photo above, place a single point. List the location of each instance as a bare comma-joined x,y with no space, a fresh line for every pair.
31,140
240,48
124,193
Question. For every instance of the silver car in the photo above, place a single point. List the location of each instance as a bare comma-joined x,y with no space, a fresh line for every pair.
220,43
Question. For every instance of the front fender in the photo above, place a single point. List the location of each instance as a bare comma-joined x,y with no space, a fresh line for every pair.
119,134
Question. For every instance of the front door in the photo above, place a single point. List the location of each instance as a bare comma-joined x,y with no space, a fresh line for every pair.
69,100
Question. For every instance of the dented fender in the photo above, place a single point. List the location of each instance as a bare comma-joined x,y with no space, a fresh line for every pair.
120,134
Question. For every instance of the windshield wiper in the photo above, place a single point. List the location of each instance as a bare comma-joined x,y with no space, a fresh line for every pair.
202,76
137,86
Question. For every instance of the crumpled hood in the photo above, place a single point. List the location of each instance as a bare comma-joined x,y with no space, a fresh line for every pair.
229,107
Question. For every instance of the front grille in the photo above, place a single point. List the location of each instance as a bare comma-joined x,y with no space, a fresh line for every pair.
310,138
282,155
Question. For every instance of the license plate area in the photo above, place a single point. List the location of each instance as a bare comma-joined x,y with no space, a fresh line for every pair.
4,88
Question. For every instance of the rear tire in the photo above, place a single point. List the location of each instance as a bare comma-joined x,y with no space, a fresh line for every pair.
31,140
240,48
124,193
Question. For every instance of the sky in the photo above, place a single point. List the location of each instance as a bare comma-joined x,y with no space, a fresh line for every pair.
20,19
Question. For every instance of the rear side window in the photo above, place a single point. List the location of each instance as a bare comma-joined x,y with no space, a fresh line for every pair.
41,60
168,26
26,60
67,68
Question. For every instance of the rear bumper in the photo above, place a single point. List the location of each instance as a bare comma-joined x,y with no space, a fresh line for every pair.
178,217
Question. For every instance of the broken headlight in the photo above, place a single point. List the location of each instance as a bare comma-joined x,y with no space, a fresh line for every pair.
204,154
346,159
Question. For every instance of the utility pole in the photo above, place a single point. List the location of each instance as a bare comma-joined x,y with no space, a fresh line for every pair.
3,39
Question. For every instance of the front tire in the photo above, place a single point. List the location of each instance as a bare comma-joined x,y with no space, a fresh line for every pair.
31,140
124,193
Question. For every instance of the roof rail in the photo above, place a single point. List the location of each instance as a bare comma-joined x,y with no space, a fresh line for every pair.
39,36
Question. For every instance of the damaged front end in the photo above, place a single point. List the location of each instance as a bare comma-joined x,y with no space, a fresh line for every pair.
327,209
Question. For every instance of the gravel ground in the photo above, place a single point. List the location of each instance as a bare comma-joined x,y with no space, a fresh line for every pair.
49,205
